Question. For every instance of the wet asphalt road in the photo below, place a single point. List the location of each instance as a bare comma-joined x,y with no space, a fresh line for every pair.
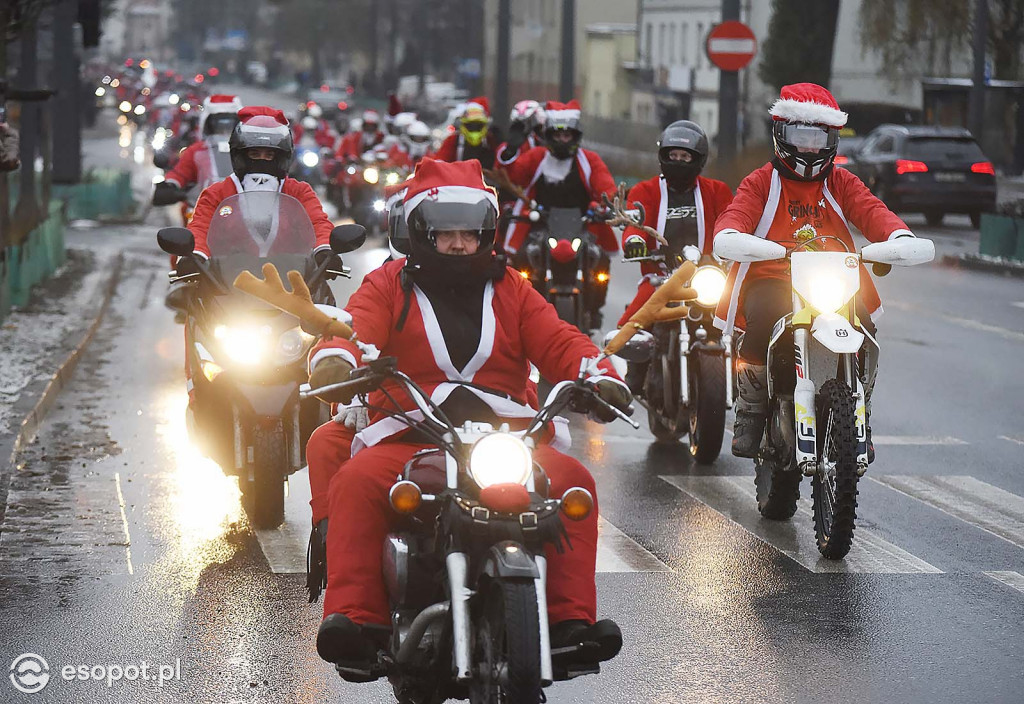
122,545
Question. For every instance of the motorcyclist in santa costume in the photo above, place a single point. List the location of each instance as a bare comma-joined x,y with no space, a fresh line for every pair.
680,204
261,152
525,131
792,199
368,136
473,138
197,165
465,332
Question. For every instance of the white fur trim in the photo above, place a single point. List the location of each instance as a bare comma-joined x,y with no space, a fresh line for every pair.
451,194
811,113
698,201
332,352
895,234
557,115
335,313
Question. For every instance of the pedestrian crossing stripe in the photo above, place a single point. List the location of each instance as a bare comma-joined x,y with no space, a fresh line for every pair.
1014,580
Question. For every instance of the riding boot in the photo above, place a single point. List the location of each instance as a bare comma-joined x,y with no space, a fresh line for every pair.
636,373
751,409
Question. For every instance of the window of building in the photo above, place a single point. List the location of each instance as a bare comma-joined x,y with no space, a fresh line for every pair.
683,58
648,58
671,44
661,44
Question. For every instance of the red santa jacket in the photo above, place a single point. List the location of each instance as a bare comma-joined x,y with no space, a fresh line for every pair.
352,146
212,197
518,327
195,166
711,198
790,211
527,170
454,145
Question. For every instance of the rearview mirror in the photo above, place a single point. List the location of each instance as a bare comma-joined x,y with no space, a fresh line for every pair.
638,349
176,240
347,238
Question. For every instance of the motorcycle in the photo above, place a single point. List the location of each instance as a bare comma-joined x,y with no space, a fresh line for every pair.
362,187
562,260
308,159
465,568
688,386
248,358
821,363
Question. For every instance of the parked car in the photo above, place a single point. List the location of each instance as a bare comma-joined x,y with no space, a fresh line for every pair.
932,170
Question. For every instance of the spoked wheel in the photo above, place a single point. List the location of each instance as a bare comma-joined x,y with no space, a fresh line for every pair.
507,647
778,489
707,407
834,487
263,493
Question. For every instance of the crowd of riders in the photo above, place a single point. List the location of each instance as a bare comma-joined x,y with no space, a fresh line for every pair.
465,325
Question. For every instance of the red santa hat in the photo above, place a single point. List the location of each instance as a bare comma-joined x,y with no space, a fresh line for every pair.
478,103
809,103
262,116
448,182
562,112
221,103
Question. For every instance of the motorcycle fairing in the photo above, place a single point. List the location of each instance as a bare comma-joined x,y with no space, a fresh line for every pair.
836,333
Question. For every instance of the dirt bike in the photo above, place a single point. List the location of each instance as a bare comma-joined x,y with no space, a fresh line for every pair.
688,387
465,568
821,364
249,359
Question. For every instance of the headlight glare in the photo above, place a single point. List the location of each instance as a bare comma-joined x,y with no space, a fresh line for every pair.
244,345
709,282
392,178
292,345
310,159
827,294
371,175
500,458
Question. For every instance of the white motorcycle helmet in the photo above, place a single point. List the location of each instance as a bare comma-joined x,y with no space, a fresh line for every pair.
417,139
309,123
402,121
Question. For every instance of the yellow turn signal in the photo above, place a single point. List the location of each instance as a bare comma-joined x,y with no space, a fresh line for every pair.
602,277
405,497
577,503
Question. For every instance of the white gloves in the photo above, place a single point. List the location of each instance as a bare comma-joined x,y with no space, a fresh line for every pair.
353,417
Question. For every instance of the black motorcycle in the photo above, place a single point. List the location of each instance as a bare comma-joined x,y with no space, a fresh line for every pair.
465,567
248,358
565,264
687,387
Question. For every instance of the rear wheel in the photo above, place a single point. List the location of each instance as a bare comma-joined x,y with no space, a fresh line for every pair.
707,406
262,481
834,487
507,645
778,489
934,217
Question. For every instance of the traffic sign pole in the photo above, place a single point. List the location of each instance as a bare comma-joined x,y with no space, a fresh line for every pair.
728,94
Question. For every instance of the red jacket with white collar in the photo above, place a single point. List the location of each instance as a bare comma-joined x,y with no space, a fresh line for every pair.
789,212
518,327
212,197
527,169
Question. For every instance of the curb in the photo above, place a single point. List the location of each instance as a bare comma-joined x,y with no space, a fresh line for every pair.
33,419
991,266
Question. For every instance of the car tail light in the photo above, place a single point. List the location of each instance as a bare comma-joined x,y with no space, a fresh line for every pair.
983,167
905,166
840,160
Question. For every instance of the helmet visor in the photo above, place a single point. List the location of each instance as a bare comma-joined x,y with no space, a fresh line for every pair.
809,138
474,125
476,217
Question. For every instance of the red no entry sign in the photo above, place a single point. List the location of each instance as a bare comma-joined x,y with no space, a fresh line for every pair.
731,45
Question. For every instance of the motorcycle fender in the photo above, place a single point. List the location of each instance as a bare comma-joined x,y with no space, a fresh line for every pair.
267,400
835,333
509,560
707,347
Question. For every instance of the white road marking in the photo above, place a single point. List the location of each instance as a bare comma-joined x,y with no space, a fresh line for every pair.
124,523
735,498
1009,439
1019,304
285,546
916,440
984,506
1013,335
1014,580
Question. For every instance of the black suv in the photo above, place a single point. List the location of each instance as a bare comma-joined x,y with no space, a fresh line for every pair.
933,170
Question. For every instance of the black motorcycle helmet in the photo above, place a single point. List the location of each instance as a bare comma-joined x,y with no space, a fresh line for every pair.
261,127
398,230
562,118
682,134
807,150
429,218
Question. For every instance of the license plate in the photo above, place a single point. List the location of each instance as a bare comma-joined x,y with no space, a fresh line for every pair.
950,177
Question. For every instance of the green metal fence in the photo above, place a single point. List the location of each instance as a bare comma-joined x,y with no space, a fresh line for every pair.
26,264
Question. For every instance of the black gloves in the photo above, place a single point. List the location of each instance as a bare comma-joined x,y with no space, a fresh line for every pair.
165,193
186,266
634,247
614,393
331,370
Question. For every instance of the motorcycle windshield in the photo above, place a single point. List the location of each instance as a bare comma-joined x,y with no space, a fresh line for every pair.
260,224
564,222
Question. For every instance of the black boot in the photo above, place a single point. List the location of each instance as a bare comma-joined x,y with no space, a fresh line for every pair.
751,408
591,643
636,373
340,639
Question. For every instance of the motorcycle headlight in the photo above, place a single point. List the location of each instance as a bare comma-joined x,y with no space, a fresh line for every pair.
552,242
139,109
292,345
310,159
244,345
709,282
125,106
392,178
576,242
100,92
500,458
828,294
350,170
379,206
371,175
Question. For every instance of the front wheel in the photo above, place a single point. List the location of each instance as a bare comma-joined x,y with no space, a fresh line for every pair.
567,308
262,481
507,647
777,489
707,406
834,487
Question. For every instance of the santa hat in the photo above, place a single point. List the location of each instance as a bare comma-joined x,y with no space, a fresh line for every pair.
809,103
262,116
448,182
562,112
220,104
478,103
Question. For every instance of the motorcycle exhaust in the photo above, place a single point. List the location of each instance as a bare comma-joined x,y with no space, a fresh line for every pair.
418,628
